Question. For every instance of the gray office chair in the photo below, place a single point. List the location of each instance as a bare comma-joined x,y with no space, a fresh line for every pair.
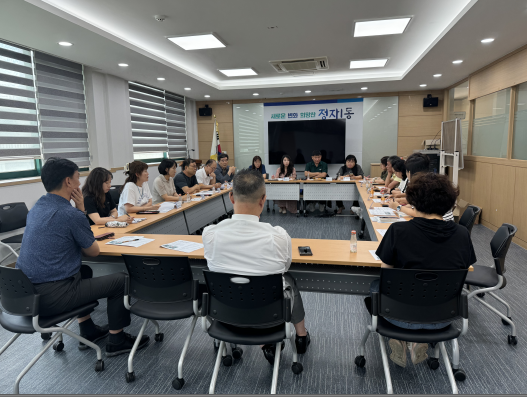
20,315
469,217
489,279
12,217
115,192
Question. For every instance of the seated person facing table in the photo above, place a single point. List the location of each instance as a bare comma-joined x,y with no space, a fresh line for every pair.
399,172
424,242
352,170
286,170
135,193
384,170
206,176
164,188
224,173
316,169
245,246
186,181
258,166
98,202
57,235
390,182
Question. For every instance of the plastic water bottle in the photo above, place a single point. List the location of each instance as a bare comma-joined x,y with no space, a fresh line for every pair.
353,242
188,197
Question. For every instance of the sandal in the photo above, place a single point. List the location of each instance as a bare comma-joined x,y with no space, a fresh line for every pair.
339,211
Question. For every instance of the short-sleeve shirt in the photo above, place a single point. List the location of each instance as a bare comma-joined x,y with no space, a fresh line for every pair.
427,244
135,195
322,167
181,180
91,207
53,240
162,187
202,177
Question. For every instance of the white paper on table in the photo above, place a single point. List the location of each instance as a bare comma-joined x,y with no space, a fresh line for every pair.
346,178
329,178
166,206
372,252
280,179
183,246
379,194
196,199
286,179
382,232
386,220
130,241
377,200
381,211
207,192
137,220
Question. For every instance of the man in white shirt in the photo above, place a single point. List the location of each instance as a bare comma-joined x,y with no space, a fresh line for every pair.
206,176
245,246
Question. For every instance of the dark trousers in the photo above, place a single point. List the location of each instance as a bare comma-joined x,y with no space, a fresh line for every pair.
292,292
61,296
340,204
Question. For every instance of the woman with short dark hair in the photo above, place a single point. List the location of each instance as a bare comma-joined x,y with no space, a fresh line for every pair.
135,193
352,170
259,166
399,172
164,188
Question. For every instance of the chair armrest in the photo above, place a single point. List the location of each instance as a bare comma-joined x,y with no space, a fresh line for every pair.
464,306
126,284
375,304
205,304
195,289
287,309
36,305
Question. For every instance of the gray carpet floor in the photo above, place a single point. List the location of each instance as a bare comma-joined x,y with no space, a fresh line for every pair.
336,324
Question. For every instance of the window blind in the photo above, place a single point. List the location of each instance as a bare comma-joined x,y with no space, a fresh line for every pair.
176,128
62,109
19,137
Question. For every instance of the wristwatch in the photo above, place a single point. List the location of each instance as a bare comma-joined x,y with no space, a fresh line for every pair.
399,207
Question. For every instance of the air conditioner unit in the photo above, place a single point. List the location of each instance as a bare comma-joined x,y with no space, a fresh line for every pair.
300,65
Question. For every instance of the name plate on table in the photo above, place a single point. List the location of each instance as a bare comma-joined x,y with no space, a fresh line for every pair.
280,179
346,178
286,179
329,178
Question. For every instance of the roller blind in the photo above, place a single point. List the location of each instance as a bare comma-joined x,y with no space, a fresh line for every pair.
19,136
62,109
176,128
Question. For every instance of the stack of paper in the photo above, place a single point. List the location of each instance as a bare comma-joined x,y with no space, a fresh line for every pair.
382,211
379,219
167,206
183,246
137,220
130,241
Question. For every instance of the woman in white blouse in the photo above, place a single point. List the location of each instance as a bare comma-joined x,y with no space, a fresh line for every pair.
135,194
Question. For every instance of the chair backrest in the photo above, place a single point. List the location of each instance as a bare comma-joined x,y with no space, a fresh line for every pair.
115,192
421,296
17,294
246,301
469,217
159,278
12,216
499,245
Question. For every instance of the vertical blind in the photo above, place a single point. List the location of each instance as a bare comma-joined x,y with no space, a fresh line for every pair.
19,137
62,109
158,121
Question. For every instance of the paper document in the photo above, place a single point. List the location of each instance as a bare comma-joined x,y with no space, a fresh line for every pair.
207,192
379,219
137,220
379,194
382,211
382,232
346,178
377,200
372,252
183,246
130,241
167,206
196,199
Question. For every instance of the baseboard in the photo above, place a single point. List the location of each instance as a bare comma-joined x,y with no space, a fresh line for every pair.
516,240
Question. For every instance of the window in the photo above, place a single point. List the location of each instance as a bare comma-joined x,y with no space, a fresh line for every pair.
158,123
458,108
491,124
249,131
519,142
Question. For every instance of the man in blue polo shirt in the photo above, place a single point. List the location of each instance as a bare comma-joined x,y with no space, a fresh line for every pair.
56,236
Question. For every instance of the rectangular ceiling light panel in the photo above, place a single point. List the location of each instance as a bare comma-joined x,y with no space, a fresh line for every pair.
197,42
238,72
381,27
368,63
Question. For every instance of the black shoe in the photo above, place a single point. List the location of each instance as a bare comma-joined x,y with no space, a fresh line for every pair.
302,342
269,351
114,349
100,333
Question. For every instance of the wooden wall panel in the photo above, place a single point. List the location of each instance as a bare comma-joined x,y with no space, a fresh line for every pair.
420,125
501,194
412,105
223,112
466,181
520,207
481,188
407,144
225,129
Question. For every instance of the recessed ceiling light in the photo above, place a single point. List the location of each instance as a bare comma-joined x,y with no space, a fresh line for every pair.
65,43
254,113
161,78
207,96
458,61
381,27
197,42
307,91
422,85
246,110
394,104
389,107
238,72
123,65
256,94
368,63
313,98
237,107
364,88
487,40
438,75
188,89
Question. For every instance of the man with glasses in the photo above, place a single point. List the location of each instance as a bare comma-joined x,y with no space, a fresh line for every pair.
206,176
185,181
224,173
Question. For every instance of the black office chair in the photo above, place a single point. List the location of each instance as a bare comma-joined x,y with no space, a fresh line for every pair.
420,297
240,307
12,217
469,217
20,315
489,279
115,192
162,289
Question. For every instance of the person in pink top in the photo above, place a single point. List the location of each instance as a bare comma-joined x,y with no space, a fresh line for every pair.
286,170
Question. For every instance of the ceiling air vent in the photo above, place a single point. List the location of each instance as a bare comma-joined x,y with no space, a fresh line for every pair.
300,65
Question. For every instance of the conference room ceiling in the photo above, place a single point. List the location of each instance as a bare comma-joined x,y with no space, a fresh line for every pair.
105,33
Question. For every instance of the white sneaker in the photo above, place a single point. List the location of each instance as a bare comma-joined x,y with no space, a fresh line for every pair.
356,210
311,207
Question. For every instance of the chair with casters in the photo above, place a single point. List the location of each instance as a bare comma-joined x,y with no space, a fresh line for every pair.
248,310
490,279
419,297
12,217
115,192
20,315
162,289
469,217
